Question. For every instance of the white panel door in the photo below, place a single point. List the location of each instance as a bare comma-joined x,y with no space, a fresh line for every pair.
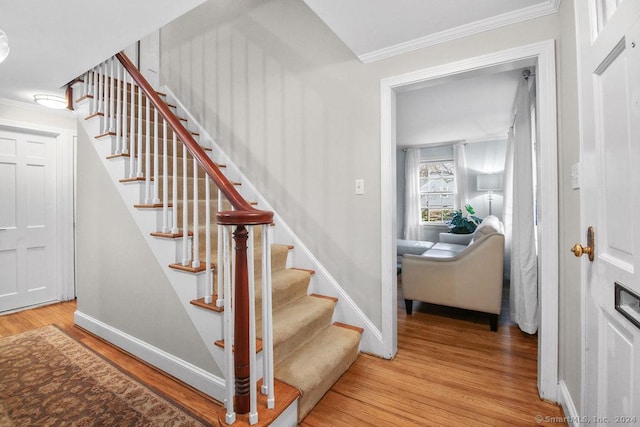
27,219
609,45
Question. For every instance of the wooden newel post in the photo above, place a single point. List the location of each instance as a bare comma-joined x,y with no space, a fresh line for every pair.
241,329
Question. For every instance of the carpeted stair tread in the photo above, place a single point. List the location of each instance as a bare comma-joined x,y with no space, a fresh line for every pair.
310,353
314,368
288,285
294,324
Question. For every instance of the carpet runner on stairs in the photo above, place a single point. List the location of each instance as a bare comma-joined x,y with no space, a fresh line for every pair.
310,353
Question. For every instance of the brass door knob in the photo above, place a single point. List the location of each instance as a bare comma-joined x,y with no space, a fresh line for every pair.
579,250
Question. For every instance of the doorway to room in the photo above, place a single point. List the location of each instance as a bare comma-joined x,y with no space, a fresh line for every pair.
541,56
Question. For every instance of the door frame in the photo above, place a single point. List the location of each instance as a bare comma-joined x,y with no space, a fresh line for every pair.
64,276
544,55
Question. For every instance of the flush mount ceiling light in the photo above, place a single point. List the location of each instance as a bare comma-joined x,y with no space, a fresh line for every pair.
51,101
4,46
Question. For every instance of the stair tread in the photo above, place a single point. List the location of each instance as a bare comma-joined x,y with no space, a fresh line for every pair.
294,324
310,353
315,367
287,285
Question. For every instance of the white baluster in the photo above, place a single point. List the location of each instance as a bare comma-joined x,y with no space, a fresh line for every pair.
253,375
219,271
185,209
100,104
105,96
267,320
174,186
156,154
165,179
118,112
85,84
112,95
208,297
230,417
94,101
139,163
196,217
132,133
125,112
147,159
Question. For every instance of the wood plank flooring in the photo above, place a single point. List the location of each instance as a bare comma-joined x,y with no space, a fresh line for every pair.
450,370
61,315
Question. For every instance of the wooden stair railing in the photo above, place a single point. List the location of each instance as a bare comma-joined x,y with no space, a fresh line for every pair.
106,91
245,214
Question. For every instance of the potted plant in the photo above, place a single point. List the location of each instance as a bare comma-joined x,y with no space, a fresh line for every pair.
463,224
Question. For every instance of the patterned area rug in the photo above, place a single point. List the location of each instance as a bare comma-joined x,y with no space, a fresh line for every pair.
49,379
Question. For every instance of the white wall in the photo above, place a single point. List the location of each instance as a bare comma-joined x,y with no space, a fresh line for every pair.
300,115
35,114
120,282
570,295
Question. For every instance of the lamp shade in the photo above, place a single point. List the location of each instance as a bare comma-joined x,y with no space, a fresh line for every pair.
489,182
4,46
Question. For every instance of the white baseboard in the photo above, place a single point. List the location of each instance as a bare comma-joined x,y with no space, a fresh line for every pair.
569,408
194,376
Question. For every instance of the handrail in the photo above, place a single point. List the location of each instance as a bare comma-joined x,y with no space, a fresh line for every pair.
245,214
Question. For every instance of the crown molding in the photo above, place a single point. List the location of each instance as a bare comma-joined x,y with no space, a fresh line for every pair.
520,15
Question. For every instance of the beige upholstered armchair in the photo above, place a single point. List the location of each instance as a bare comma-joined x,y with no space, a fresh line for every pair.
463,276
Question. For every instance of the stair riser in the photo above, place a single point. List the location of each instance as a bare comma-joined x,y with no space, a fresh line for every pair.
284,292
277,263
307,328
308,320
179,164
213,192
180,149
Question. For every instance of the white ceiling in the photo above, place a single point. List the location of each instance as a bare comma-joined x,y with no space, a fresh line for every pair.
469,108
54,41
377,29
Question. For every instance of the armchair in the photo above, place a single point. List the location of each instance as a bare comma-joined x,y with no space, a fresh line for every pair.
463,276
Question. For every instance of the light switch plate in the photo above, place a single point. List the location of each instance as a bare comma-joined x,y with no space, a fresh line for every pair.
575,176
359,186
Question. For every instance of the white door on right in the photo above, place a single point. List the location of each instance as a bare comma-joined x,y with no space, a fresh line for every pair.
609,69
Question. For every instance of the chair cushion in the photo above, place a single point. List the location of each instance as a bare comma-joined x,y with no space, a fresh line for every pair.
440,253
489,225
452,247
415,247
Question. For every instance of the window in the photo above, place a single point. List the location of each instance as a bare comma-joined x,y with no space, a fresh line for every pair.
436,190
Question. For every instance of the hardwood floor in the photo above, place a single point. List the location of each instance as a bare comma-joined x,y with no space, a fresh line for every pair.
61,315
450,370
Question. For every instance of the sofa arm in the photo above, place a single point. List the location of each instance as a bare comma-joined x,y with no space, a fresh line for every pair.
471,280
458,239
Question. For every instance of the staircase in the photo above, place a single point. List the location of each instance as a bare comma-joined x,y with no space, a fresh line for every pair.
178,204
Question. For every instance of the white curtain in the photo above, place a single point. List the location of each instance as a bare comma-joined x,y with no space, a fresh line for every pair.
524,261
507,210
412,194
460,165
